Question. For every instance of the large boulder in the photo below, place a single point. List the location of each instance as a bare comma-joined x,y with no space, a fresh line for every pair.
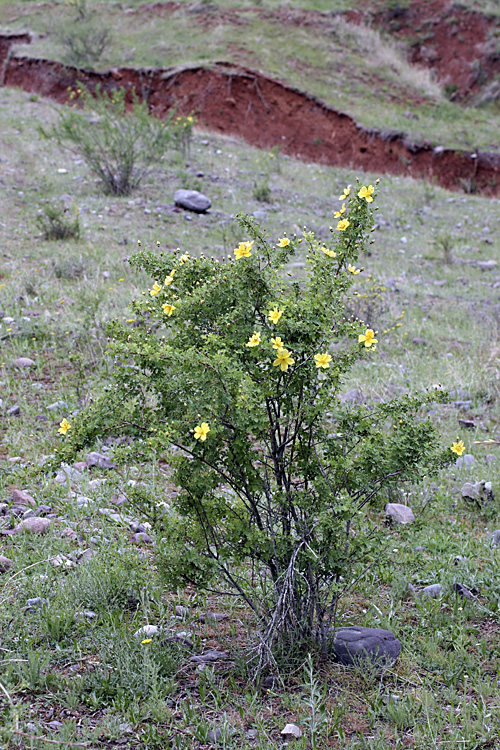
192,200
398,513
356,646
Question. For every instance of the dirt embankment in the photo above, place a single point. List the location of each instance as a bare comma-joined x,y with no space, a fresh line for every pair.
237,101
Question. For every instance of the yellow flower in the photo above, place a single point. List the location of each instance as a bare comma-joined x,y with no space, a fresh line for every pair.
243,250
184,258
353,269
338,214
201,431
343,224
366,192
168,309
275,315
323,360
283,359
254,339
330,253
345,194
277,343
283,242
169,279
64,427
146,640
458,447
156,288
368,337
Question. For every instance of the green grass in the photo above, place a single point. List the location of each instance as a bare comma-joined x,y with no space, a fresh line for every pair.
437,318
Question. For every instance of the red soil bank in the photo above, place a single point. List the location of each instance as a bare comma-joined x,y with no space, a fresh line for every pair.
240,102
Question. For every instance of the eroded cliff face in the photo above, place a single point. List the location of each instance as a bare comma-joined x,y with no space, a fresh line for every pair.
238,101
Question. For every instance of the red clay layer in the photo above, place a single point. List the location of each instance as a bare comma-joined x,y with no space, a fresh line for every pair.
237,101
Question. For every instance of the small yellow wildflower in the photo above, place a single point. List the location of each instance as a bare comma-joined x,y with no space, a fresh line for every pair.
170,278
366,193
330,253
254,339
243,250
283,242
184,258
343,224
353,269
323,360
368,337
275,315
345,194
338,214
156,288
277,343
458,447
146,640
201,431
168,309
283,359
64,427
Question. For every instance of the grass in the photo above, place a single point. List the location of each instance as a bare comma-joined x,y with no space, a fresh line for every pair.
71,670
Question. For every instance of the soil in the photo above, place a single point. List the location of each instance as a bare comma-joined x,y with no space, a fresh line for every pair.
236,100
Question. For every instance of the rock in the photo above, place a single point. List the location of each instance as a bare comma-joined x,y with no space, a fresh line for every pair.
61,561
252,734
80,466
97,459
355,645
491,458
147,631
180,639
467,461
20,497
192,200
43,510
14,411
83,502
459,560
486,265
467,424
292,730
57,406
479,491
433,591
29,513
398,513
87,614
119,499
141,538
354,397
180,611
260,214
462,591
85,555
6,564
34,525
35,603
209,657
69,533
66,473
494,538
214,735
24,362
4,509
213,617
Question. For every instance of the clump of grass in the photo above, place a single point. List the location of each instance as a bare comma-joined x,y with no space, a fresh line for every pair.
56,224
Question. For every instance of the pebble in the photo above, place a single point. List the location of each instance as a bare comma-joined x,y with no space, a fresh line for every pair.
20,497
23,362
6,564
292,730
147,631
433,591
34,525
399,514
352,645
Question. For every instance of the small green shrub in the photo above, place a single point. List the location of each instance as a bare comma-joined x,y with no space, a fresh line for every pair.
83,37
239,367
119,144
56,225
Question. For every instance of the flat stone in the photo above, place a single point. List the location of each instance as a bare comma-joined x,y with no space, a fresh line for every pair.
24,362
355,645
147,631
20,497
192,200
34,525
6,564
14,411
433,591
398,513
210,656
291,730
99,460
480,491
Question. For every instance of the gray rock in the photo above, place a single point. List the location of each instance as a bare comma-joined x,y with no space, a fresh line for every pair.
86,614
6,564
141,537
14,411
66,473
97,459
20,497
180,611
467,461
356,645
29,513
147,631
491,458
479,491
35,603
398,513
4,509
57,406
292,730
433,591
192,200
83,502
23,362
462,591
34,526
209,657
486,265
43,510
213,617
214,735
